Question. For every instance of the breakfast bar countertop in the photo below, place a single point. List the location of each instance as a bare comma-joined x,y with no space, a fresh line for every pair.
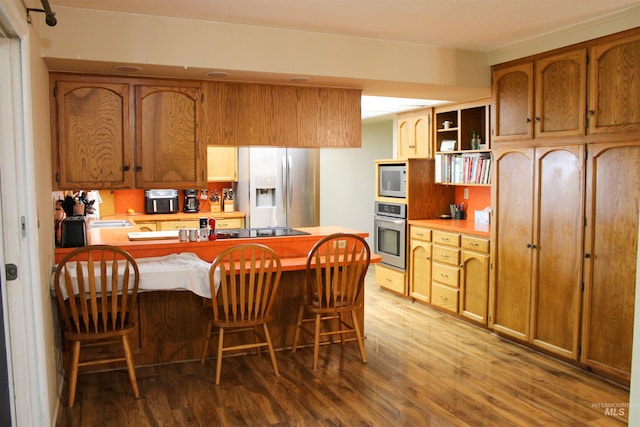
291,249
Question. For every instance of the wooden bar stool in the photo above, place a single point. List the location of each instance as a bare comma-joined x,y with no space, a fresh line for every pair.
96,288
249,279
336,267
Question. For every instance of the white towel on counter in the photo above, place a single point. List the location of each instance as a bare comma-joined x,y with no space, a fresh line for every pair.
175,272
183,271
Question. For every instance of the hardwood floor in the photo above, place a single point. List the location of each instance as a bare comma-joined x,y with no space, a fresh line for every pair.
425,368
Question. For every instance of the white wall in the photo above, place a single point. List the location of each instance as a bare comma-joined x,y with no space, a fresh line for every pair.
347,179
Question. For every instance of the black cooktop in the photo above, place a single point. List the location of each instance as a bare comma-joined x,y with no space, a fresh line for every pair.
244,233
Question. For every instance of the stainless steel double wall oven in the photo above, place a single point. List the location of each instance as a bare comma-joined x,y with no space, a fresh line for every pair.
390,233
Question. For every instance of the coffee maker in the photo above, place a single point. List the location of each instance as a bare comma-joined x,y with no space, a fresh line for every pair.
191,202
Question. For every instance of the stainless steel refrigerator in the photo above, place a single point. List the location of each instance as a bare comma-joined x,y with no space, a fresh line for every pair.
279,187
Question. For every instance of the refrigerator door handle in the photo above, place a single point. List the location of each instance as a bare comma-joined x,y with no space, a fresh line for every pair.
285,187
289,185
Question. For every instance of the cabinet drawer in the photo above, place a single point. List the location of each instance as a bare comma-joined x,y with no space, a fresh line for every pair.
421,233
225,224
446,255
147,226
390,279
445,297
475,244
443,238
445,274
176,225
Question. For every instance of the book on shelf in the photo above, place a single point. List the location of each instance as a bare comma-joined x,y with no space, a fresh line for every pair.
466,168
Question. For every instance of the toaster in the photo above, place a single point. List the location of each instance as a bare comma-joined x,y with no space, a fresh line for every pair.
74,232
160,201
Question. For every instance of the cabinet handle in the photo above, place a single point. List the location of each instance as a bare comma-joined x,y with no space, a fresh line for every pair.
592,113
138,168
528,120
444,256
126,168
445,299
461,265
428,258
537,119
587,255
474,244
446,276
529,245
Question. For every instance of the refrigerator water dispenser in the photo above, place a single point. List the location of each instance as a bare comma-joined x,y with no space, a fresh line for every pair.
265,191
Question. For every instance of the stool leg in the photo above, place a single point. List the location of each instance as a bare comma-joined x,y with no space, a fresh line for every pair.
130,366
219,359
73,373
298,326
316,340
205,350
356,326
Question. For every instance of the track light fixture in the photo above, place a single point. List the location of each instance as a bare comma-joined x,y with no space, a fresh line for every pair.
46,9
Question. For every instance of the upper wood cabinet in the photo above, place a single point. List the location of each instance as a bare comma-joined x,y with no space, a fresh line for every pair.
550,96
560,94
168,150
91,135
243,114
549,103
93,144
222,164
512,94
414,134
614,84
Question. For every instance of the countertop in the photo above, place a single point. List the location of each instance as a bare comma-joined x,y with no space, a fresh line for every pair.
175,216
292,250
457,225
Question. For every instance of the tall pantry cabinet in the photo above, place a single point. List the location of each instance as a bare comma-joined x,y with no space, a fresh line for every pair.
613,196
538,213
567,166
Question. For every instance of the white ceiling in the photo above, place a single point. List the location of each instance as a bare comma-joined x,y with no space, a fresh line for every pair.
480,25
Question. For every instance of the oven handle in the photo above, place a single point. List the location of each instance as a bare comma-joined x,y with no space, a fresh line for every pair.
389,219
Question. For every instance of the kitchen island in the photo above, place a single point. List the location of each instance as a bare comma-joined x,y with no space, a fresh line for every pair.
172,324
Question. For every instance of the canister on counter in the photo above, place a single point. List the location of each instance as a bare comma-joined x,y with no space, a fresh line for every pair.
183,234
204,222
193,234
212,229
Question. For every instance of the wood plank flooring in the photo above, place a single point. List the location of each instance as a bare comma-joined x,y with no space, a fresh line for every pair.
425,369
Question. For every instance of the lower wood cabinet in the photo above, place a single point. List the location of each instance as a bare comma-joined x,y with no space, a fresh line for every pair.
474,278
450,270
391,279
420,264
221,223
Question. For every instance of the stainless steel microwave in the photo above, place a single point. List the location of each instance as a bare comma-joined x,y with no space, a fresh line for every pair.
392,180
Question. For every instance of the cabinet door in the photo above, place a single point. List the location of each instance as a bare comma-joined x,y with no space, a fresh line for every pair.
512,98
414,136
474,285
560,88
168,151
613,200
420,270
614,86
222,164
512,256
93,135
558,238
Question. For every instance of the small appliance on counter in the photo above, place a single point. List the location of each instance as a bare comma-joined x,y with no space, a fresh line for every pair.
73,232
191,202
160,201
